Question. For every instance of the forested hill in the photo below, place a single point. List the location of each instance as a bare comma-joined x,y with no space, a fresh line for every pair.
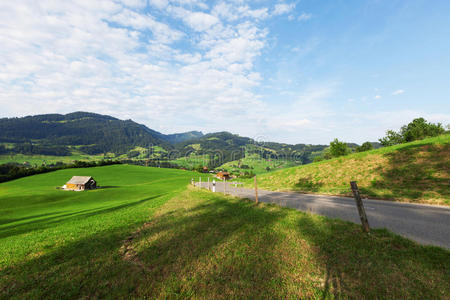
90,133
230,147
93,133
181,137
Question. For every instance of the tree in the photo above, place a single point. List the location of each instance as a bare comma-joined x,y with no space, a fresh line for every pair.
418,129
338,148
364,147
391,138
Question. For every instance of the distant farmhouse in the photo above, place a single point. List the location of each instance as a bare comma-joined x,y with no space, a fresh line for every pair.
80,183
223,175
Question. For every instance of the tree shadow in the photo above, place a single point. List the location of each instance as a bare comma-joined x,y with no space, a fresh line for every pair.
42,221
307,185
189,241
225,248
172,249
414,172
376,265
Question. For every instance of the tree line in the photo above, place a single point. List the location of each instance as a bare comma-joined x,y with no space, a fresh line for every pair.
417,129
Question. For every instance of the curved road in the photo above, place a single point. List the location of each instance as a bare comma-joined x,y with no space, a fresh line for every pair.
425,224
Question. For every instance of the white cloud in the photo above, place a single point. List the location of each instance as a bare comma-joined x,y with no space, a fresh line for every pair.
162,32
118,59
398,92
377,97
179,66
231,12
135,3
304,17
283,8
200,21
160,4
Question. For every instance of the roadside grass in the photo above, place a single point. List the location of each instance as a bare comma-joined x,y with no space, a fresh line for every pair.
417,172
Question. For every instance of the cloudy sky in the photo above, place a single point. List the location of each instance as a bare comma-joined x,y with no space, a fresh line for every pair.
303,71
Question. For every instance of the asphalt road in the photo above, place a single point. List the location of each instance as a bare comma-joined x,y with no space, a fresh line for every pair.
424,224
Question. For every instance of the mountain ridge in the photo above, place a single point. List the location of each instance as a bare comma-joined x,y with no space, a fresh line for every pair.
95,134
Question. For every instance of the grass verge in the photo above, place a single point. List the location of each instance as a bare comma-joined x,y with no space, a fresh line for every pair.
416,172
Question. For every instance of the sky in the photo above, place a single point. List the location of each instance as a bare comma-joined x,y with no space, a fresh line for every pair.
304,71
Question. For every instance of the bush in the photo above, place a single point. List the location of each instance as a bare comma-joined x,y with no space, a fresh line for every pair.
338,148
416,130
364,147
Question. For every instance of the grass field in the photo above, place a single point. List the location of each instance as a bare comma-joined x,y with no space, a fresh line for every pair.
256,164
38,160
51,236
192,161
413,172
145,235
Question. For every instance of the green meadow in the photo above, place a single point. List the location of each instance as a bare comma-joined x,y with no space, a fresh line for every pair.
147,234
37,220
38,160
257,165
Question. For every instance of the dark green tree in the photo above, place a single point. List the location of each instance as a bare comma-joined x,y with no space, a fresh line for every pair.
338,148
364,147
417,129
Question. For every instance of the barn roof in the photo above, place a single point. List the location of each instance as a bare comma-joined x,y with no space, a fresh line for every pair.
79,179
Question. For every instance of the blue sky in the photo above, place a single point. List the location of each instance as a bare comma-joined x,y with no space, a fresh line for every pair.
287,71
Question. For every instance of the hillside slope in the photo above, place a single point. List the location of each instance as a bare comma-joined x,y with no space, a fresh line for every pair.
414,172
93,133
84,133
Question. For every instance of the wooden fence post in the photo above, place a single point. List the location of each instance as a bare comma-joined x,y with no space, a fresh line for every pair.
359,204
256,191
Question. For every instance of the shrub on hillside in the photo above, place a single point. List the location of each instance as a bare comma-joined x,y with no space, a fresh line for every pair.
416,130
338,148
364,147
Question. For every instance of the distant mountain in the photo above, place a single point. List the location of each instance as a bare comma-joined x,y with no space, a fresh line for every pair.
224,147
91,133
182,137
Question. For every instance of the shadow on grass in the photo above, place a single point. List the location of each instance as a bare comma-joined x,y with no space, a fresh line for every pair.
42,221
413,171
210,250
307,185
224,248
108,187
176,250
376,265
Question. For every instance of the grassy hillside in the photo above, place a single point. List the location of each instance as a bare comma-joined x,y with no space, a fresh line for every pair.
37,219
38,160
413,172
197,245
254,163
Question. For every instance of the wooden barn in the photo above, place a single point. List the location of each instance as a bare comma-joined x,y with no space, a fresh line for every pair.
81,183
223,175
